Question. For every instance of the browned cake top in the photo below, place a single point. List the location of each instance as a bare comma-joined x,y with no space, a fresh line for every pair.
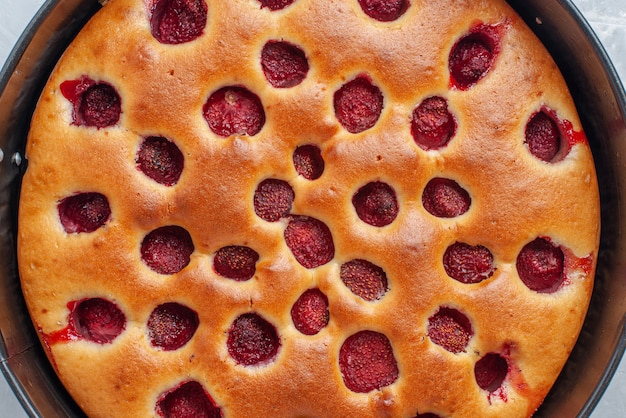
306,208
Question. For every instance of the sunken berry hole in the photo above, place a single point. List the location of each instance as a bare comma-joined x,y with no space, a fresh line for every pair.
235,262
364,279
427,415
367,362
310,241
273,199
308,161
178,21
376,204
284,64
98,320
83,212
234,110
450,329
444,198
543,137
540,265
468,264
358,104
490,371
167,250
252,340
432,124
95,104
384,10
171,326
189,399
161,160
310,312
473,55
274,5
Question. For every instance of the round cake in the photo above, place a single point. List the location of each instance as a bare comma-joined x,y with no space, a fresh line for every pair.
307,208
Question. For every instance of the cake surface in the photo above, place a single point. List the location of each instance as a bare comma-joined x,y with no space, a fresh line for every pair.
307,208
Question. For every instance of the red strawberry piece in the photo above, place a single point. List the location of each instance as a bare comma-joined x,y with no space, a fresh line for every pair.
367,362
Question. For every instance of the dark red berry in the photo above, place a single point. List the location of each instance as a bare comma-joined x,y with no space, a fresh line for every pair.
308,161
275,4
235,262
467,263
161,160
178,21
167,250
384,10
310,241
367,362
490,371
234,110
83,212
171,326
427,415
444,198
284,64
310,312
432,124
186,401
94,103
543,136
473,55
252,340
273,199
450,329
98,320
358,104
540,265
364,279
376,204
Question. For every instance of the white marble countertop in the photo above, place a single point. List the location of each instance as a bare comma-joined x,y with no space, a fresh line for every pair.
606,17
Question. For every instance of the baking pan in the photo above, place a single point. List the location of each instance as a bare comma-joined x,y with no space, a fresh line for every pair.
600,100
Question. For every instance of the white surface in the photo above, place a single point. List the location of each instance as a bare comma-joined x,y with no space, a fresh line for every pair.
607,18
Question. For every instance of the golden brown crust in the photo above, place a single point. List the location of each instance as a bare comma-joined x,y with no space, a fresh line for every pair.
515,198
